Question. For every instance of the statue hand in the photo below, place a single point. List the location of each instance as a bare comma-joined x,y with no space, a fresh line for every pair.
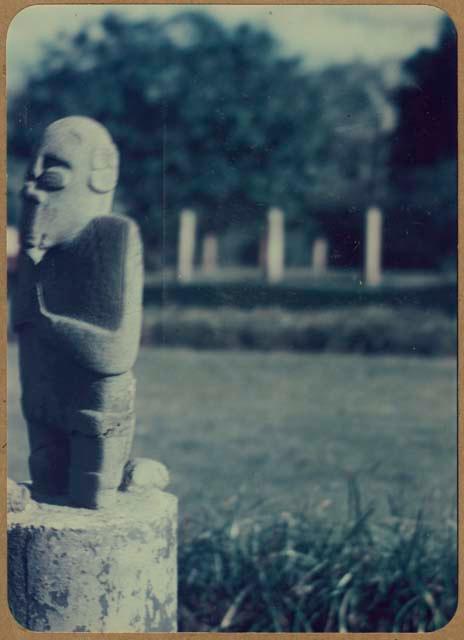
18,496
26,306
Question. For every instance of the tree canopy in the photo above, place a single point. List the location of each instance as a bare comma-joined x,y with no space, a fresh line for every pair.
220,120
422,223
206,117
427,104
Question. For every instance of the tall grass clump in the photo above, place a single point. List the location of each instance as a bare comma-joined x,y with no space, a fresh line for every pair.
292,573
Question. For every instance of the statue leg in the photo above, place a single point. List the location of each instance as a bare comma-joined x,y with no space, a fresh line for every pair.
48,460
97,464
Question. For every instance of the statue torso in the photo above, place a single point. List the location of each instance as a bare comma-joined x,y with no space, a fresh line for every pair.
84,281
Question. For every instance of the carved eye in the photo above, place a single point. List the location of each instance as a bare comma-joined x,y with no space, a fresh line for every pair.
53,179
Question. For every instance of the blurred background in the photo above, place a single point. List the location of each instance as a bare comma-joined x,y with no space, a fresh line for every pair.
293,172
232,110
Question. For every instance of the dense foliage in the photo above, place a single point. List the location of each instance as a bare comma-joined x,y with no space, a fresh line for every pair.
426,131
421,228
219,120
205,117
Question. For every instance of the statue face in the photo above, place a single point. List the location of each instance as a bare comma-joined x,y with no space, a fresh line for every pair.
70,181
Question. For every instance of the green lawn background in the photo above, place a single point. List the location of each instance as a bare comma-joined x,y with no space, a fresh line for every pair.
283,431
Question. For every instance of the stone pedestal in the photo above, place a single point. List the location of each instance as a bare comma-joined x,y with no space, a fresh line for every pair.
275,246
186,252
373,247
114,569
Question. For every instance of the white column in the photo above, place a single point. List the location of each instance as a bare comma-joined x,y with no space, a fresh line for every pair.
373,247
320,255
275,246
209,258
186,251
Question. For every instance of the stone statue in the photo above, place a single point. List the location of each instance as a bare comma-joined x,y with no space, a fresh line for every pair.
78,316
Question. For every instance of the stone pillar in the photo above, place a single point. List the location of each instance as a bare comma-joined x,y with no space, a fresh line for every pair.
186,253
320,256
373,247
275,246
210,253
106,570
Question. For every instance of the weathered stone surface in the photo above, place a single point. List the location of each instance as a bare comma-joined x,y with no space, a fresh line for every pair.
109,570
78,315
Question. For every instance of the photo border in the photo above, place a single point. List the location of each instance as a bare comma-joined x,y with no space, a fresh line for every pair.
9,628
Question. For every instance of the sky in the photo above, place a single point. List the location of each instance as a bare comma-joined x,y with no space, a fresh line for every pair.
320,34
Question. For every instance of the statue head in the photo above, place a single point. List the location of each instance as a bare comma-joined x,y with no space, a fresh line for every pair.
71,180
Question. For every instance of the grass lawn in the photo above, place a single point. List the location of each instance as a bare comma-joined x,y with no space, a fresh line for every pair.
284,431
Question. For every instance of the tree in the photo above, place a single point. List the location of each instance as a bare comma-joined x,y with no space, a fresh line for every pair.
350,166
421,229
205,117
427,104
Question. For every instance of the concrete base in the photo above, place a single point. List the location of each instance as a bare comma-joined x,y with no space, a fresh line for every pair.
113,569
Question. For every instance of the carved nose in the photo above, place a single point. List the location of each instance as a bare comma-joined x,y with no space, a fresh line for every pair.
29,193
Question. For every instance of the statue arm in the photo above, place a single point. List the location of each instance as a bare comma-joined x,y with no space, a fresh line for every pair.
95,347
